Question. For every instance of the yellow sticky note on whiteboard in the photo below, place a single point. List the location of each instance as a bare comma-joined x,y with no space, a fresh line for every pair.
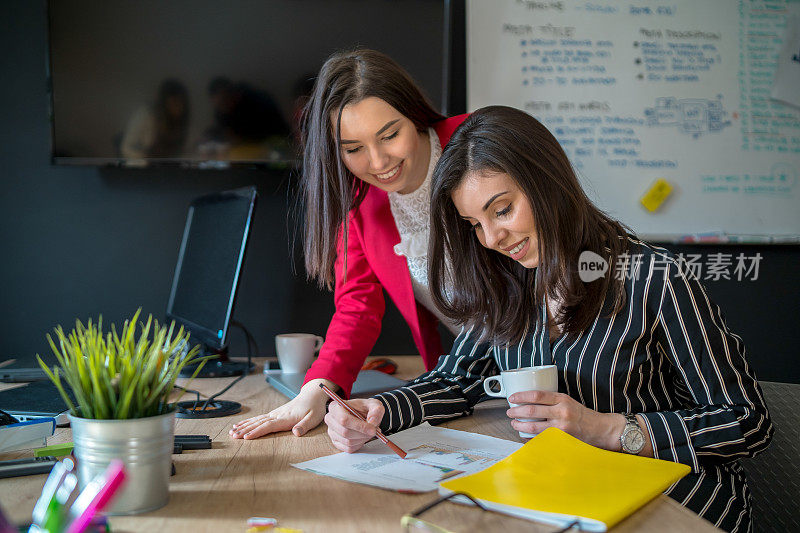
656,195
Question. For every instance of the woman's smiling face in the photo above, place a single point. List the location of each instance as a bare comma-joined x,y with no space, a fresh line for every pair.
382,147
500,215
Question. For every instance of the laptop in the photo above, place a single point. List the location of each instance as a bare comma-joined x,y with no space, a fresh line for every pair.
368,383
39,399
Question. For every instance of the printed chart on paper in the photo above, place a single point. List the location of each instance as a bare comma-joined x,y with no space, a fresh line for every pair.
434,454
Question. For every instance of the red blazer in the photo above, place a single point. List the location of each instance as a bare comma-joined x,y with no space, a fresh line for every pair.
373,266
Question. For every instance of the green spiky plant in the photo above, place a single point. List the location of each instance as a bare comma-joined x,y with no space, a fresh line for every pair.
120,376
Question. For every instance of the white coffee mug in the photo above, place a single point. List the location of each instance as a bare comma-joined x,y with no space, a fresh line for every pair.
521,380
296,351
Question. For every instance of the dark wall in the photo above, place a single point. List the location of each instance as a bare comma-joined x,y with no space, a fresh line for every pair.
80,242
765,312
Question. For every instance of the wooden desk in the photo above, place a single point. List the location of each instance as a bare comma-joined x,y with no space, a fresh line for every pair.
218,489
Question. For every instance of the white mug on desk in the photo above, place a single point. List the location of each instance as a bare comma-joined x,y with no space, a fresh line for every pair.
521,380
296,351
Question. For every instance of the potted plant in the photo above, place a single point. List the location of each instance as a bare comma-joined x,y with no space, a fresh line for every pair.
122,385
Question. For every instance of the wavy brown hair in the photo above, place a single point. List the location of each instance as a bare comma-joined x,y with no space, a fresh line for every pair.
329,191
494,293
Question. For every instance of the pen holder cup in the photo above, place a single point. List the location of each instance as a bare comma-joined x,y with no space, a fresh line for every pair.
144,445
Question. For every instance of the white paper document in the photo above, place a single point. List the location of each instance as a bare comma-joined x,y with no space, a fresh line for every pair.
434,454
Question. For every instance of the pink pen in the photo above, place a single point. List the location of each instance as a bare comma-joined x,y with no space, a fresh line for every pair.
96,496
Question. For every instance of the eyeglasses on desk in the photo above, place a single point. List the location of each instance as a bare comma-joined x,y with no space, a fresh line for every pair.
412,523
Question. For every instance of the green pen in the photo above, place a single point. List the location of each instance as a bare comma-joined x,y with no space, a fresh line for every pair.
53,517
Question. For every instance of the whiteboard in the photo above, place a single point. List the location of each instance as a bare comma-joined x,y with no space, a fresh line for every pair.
641,90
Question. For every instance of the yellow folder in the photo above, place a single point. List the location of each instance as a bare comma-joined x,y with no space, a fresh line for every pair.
557,479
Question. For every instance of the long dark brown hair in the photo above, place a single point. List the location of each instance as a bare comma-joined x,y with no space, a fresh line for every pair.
493,293
329,191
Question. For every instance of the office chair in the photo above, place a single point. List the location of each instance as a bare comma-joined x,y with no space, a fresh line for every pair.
774,475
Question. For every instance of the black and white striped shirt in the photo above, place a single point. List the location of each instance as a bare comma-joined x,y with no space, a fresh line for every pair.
667,355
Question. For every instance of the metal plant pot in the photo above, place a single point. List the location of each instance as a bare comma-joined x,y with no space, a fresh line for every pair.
145,447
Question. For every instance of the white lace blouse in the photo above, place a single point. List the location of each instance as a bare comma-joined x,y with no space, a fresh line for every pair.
411,214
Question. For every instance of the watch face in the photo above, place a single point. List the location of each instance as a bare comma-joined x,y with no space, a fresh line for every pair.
634,440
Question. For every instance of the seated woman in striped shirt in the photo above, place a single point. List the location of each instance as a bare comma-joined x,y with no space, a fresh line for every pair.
510,222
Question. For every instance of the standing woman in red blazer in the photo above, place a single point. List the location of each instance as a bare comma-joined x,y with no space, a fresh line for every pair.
370,142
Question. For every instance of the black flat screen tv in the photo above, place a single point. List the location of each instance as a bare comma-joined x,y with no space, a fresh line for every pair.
211,83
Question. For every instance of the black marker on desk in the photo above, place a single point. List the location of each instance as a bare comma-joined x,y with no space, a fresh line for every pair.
26,467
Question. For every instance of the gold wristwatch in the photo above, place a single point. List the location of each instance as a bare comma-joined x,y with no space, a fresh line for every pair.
632,437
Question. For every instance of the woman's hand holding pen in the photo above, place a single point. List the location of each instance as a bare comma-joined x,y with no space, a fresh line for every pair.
347,432
563,412
300,415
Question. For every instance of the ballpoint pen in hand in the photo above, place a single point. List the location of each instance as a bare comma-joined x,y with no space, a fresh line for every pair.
335,397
